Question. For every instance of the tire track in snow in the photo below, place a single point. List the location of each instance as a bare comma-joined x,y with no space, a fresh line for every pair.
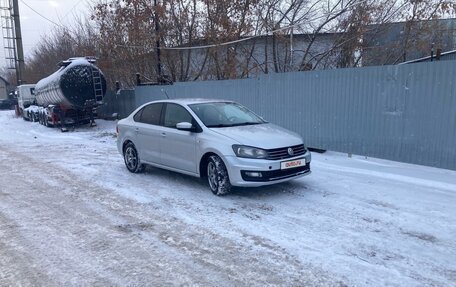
77,232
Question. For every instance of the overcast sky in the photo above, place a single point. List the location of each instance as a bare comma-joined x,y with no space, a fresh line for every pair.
35,26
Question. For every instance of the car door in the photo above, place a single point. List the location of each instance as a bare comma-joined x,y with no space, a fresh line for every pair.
147,130
178,148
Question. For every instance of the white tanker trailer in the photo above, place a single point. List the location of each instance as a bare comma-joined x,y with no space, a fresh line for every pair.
69,96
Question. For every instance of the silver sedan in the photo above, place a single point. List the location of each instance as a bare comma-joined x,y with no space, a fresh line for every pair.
219,140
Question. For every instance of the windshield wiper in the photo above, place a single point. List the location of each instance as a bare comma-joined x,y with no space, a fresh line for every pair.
219,126
234,124
246,124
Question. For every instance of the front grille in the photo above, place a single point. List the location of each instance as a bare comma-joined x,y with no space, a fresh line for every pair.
282,153
272,175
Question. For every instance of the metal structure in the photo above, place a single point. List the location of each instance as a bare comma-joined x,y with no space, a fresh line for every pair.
9,43
99,84
157,41
117,105
77,83
12,37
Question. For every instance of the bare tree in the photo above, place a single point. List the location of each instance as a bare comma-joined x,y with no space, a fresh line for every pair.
222,39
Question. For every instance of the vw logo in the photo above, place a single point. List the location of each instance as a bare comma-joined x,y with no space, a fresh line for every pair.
290,151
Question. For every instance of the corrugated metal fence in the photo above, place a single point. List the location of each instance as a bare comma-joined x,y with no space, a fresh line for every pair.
405,113
117,105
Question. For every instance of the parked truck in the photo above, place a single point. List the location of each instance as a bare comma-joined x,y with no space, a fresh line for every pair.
68,97
25,95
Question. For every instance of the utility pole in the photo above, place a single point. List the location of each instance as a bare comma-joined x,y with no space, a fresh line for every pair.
291,47
157,43
19,48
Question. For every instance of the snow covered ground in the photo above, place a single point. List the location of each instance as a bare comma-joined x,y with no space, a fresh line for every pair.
71,214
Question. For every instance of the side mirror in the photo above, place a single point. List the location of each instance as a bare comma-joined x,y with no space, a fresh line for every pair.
185,126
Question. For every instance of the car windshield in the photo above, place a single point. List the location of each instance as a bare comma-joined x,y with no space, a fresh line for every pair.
225,114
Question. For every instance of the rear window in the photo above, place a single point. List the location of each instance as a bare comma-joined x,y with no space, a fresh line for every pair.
150,114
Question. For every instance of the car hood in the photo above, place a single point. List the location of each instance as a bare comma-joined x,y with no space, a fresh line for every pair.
266,136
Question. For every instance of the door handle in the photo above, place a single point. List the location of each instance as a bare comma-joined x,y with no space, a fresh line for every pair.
163,134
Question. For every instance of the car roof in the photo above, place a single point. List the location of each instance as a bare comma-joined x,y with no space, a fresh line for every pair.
193,101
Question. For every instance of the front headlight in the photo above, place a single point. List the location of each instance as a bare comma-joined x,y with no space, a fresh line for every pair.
249,152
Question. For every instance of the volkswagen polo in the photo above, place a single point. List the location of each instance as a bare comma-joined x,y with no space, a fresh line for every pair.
219,140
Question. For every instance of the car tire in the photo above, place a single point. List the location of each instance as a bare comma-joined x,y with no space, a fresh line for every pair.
131,159
217,176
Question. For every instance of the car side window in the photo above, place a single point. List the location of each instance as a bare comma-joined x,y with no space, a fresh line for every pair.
151,114
137,116
175,114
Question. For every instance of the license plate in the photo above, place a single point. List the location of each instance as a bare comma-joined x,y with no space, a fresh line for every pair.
292,163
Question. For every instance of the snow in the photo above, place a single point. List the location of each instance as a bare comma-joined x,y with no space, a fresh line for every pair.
34,109
354,221
54,77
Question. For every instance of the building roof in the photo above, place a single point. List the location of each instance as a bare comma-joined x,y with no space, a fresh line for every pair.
429,58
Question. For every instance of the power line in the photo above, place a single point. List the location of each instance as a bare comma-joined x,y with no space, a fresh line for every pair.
41,15
345,9
71,10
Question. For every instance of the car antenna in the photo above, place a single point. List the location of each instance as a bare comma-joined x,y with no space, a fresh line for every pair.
166,94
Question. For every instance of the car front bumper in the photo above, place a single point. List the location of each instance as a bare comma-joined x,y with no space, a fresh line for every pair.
258,172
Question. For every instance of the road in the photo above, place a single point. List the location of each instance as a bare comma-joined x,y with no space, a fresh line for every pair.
60,230
71,215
